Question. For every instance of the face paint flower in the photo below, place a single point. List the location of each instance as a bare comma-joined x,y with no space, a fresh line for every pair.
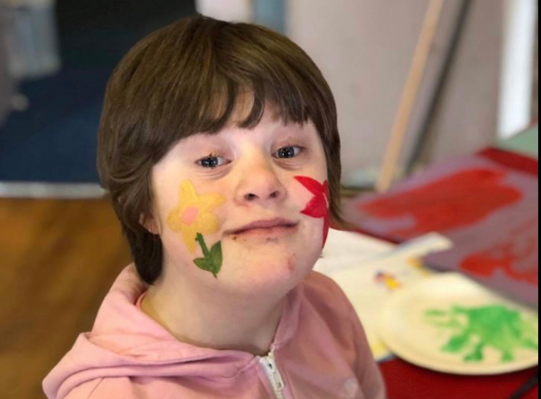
319,206
194,215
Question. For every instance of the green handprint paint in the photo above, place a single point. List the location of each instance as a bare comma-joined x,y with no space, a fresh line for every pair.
213,258
476,329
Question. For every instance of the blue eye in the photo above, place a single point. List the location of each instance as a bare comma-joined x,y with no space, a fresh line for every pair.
289,152
211,162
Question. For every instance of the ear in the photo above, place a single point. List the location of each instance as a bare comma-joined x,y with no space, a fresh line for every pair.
149,223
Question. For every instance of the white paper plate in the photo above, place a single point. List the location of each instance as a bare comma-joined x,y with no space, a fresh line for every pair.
413,334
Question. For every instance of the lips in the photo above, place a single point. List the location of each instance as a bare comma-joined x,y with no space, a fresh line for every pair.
265,225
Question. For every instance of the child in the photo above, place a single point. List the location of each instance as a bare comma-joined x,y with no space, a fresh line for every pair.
220,149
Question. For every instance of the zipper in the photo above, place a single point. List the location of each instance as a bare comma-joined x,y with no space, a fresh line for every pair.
273,374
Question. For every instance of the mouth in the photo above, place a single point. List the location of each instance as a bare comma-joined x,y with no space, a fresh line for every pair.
275,227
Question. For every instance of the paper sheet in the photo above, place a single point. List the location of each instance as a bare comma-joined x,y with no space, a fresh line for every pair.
370,271
344,248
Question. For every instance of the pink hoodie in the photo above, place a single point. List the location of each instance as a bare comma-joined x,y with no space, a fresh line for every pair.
320,352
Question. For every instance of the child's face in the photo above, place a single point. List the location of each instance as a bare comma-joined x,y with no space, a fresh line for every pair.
208,188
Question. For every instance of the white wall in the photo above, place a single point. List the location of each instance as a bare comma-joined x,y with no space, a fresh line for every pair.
365,49
468,117
518,66
227,10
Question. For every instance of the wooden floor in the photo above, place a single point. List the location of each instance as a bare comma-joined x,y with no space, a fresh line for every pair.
58,259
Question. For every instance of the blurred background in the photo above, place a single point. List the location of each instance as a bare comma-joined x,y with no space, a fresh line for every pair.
60,245
478,84
55,62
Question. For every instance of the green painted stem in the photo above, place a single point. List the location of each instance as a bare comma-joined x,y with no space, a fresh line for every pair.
201,240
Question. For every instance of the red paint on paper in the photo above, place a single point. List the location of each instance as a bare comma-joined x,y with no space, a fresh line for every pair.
319,206
518,257
459,200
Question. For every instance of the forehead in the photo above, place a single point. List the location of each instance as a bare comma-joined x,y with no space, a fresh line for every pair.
270,126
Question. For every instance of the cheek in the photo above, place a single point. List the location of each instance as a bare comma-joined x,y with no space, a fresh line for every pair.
316,230
175,250
317,206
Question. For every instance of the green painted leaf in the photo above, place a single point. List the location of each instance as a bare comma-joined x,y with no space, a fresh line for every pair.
213,259
217,258
202,264
216,254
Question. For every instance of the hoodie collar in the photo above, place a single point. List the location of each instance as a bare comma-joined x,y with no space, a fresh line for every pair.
121,327
126,342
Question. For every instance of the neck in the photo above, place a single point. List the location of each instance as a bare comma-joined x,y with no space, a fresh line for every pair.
211,319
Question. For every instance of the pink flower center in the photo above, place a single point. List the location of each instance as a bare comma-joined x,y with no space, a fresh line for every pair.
190,215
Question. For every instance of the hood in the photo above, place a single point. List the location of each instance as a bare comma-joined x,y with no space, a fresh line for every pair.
126,342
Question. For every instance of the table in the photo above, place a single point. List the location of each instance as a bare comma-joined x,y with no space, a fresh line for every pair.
405,381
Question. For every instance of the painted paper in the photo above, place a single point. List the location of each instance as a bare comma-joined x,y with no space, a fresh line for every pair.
459,200
487,204
477,329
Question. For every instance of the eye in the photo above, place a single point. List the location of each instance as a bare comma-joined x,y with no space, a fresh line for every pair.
212,162
289,152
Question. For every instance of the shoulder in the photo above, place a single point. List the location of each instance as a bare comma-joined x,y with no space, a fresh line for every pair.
105,388
85,390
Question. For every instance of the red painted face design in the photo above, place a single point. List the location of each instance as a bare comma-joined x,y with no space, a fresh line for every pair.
319,206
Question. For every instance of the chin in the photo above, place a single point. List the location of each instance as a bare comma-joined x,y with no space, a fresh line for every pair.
268,269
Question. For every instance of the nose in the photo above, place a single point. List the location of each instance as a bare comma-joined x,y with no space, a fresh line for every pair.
260,185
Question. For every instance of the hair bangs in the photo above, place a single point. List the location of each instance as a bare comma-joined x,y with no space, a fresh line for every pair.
243,103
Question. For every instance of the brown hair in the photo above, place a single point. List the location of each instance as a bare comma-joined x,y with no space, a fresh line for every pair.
186,79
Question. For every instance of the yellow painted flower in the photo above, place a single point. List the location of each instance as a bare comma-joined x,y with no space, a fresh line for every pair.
194,215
